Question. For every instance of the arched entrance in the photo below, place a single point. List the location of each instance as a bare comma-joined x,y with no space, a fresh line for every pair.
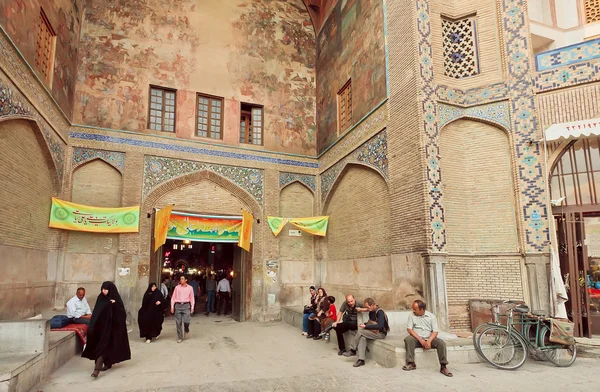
574,189
202,195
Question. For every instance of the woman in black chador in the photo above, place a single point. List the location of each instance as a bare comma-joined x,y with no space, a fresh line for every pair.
107,341
150,315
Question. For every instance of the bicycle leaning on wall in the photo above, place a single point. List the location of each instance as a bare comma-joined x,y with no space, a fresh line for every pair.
506,346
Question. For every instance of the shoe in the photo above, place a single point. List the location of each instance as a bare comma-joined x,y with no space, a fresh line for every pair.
309,336
349,353
358,363
304,333
105,368
148,341
327,337
95,374
341,352
318,337
179,340
206,314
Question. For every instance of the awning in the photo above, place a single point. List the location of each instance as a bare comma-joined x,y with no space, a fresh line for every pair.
573,130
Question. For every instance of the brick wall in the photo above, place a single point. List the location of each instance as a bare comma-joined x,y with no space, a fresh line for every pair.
296,254
480,217
25,239
571,104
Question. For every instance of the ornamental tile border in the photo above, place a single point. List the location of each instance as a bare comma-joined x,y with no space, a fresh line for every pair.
496,112
20,73
14,104
372,153
287,178
473,96
567,76
158,170
371,125
525,125
113,158
577,53
428,99
189,149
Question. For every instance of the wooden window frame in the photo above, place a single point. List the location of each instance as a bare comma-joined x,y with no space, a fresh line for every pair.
342,97
163,89
210,98
48,73
250,126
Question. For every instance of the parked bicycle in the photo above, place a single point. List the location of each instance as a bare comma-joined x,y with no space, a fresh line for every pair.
506,346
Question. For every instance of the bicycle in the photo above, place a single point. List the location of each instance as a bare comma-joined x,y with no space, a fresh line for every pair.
506,347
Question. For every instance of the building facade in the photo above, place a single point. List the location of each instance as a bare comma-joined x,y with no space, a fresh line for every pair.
415,125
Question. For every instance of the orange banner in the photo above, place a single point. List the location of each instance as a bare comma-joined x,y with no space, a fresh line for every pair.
161,227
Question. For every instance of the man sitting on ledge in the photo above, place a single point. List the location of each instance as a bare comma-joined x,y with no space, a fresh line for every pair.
376,328
78,309
423,330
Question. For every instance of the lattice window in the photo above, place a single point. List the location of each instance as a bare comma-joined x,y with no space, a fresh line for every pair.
592,11
251,124
45,43
460,48
209,122
345,107
162,109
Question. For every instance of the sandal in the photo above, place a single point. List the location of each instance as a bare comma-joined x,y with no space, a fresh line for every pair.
446,372
409,366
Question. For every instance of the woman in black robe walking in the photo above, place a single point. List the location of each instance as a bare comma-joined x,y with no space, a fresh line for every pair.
107,341
150,315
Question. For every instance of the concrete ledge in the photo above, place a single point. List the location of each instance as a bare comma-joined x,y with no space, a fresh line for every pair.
390,351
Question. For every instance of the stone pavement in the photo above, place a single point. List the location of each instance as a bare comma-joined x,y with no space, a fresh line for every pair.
229,356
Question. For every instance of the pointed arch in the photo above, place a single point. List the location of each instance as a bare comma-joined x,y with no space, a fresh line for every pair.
298,181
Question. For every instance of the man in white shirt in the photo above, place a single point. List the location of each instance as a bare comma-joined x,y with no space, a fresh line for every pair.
78,309
223,293
422,327
163,288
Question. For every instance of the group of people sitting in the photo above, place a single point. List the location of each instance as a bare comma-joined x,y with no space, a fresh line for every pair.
321,316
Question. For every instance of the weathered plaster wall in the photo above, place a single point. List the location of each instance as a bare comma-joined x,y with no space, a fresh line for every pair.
350,45
20,19
260,52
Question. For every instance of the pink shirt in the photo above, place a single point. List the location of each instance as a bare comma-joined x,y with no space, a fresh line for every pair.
183,294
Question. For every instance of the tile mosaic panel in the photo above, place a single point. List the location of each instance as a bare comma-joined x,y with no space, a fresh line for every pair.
83,155
525,125
372,153
583,51
158,170
14,104
430,127
496,112
473,96
287,178
190,149
460,48
567,76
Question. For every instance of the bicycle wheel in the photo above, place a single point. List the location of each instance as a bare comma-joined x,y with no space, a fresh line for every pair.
502,348
476,334
529,331
560,355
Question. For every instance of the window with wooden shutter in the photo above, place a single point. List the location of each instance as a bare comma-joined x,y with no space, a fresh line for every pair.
345,107
45,44
251,124
162,109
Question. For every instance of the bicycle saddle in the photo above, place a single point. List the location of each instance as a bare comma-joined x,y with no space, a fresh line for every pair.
522,309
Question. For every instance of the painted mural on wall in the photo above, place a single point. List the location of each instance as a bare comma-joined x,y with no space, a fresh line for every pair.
20,19
351,45
260,52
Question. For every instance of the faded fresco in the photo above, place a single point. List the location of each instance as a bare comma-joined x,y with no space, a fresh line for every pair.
20,19
350,46
260,52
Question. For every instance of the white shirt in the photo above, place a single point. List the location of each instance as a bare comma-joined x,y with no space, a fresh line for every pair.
223,286
164,290
77,308
423,325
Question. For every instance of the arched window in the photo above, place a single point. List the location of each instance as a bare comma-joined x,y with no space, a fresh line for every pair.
576,174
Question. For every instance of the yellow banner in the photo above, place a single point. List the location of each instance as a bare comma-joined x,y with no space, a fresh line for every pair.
78,217
276,224
246,231
161,226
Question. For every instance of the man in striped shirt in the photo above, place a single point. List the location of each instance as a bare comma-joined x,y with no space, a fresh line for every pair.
182,305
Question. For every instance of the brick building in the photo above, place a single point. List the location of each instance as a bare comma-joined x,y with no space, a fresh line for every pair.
417,126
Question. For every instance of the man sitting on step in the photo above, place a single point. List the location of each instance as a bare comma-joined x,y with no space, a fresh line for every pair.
423,330
376,328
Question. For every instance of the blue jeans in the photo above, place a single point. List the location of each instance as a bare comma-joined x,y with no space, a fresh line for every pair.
210,301
305,321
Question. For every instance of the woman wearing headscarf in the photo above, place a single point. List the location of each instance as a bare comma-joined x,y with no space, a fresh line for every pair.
107,341
150,315
321,297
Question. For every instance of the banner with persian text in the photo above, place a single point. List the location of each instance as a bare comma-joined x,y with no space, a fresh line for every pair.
78,217
204,228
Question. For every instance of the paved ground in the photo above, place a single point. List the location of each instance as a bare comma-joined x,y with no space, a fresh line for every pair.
228,356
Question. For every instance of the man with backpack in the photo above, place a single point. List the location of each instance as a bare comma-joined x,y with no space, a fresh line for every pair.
376,328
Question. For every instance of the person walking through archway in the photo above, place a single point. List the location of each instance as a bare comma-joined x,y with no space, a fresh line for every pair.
107,341
150,315
182,305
